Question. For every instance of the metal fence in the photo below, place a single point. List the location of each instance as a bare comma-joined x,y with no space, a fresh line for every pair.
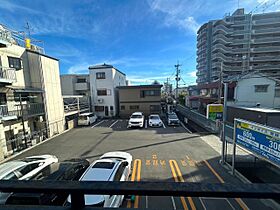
199,119
7,73
28,110
79,189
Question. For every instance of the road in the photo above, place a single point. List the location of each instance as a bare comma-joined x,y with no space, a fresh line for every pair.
170,154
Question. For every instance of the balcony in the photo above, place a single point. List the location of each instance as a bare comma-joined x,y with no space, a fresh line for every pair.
7,75
82,86
26,111
221,38
266,67
267,21
266,31
266,49
217,47
265,58
266,40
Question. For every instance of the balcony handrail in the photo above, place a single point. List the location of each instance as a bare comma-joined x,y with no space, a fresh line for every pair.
78,189
8,73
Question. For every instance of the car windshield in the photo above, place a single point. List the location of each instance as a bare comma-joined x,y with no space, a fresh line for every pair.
136,116
154,117
172,116
83,117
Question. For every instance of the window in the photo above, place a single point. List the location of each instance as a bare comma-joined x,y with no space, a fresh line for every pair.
133,107
14,63
108,92
111,108
28,168
81,80
102,92
144,93
10,176
261,88
100,75
99,108
122,107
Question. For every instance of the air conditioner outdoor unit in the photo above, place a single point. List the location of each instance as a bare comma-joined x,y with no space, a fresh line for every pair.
100,100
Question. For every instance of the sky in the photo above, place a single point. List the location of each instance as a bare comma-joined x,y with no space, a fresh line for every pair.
142,38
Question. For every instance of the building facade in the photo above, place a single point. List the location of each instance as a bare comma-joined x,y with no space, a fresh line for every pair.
142,98
103,82
30,95
75,84
238,43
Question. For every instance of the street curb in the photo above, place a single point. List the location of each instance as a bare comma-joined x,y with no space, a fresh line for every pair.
23,151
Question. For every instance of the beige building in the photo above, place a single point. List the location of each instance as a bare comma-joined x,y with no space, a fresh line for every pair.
31,106
142,98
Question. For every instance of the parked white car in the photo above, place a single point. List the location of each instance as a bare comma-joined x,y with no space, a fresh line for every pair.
87,119
136,120
155,121
114,166
24,169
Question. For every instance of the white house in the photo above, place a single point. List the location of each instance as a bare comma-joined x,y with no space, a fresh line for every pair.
257,90
103,82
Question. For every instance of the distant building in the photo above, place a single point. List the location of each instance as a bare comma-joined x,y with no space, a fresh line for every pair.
141,98
257,90
167,88
75,84
238,43
31,103
103,82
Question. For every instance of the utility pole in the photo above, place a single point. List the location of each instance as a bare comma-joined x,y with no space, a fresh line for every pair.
220,84
177,78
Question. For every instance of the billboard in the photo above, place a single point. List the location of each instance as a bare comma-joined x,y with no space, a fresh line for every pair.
261,140
215,112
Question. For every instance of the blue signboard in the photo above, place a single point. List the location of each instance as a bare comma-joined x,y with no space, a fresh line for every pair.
261,140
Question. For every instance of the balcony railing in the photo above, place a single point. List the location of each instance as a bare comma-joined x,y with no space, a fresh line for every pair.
267,21
266,49
27,110
266,31
7,75
265,58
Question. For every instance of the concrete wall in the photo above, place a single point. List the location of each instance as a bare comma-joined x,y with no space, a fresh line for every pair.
245,94
45,75
67,84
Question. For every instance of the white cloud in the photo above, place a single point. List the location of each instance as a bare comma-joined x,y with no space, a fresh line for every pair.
79,69
192,74
145,80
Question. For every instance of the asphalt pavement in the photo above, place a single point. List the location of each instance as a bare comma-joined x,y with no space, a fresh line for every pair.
169,153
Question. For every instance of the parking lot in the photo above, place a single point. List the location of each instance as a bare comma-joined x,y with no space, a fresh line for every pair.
169,153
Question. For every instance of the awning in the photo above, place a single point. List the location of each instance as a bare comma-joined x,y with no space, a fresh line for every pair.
25,89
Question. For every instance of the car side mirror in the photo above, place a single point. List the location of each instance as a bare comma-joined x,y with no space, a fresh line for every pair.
125,163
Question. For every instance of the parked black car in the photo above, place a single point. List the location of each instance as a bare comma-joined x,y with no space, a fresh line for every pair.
172,119
70,170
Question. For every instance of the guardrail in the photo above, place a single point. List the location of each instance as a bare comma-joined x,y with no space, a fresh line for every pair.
199,119
28,110
79,189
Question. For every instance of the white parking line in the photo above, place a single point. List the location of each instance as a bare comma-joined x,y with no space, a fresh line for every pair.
146,202
163,124
146,124
97,123
113,123
173,203
185,127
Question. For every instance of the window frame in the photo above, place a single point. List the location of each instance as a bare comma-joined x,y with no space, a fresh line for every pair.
101,110
101,92
260,90
100,75
14,60
135,107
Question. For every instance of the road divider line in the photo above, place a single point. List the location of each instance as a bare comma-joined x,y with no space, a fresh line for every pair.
173,203
238,200
97,123
135,176
188,130
113,123
177,175
146,124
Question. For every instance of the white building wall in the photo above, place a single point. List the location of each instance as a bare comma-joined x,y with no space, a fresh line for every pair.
113,78
245,94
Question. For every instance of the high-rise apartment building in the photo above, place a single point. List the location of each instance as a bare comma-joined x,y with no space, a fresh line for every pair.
239,43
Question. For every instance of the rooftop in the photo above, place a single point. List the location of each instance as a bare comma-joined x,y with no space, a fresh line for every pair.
104,66
139,86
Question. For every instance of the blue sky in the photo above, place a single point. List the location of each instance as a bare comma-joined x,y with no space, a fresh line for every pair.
143,38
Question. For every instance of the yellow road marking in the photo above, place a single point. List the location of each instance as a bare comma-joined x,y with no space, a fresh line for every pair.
179,178
238,200
162,162
136,172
